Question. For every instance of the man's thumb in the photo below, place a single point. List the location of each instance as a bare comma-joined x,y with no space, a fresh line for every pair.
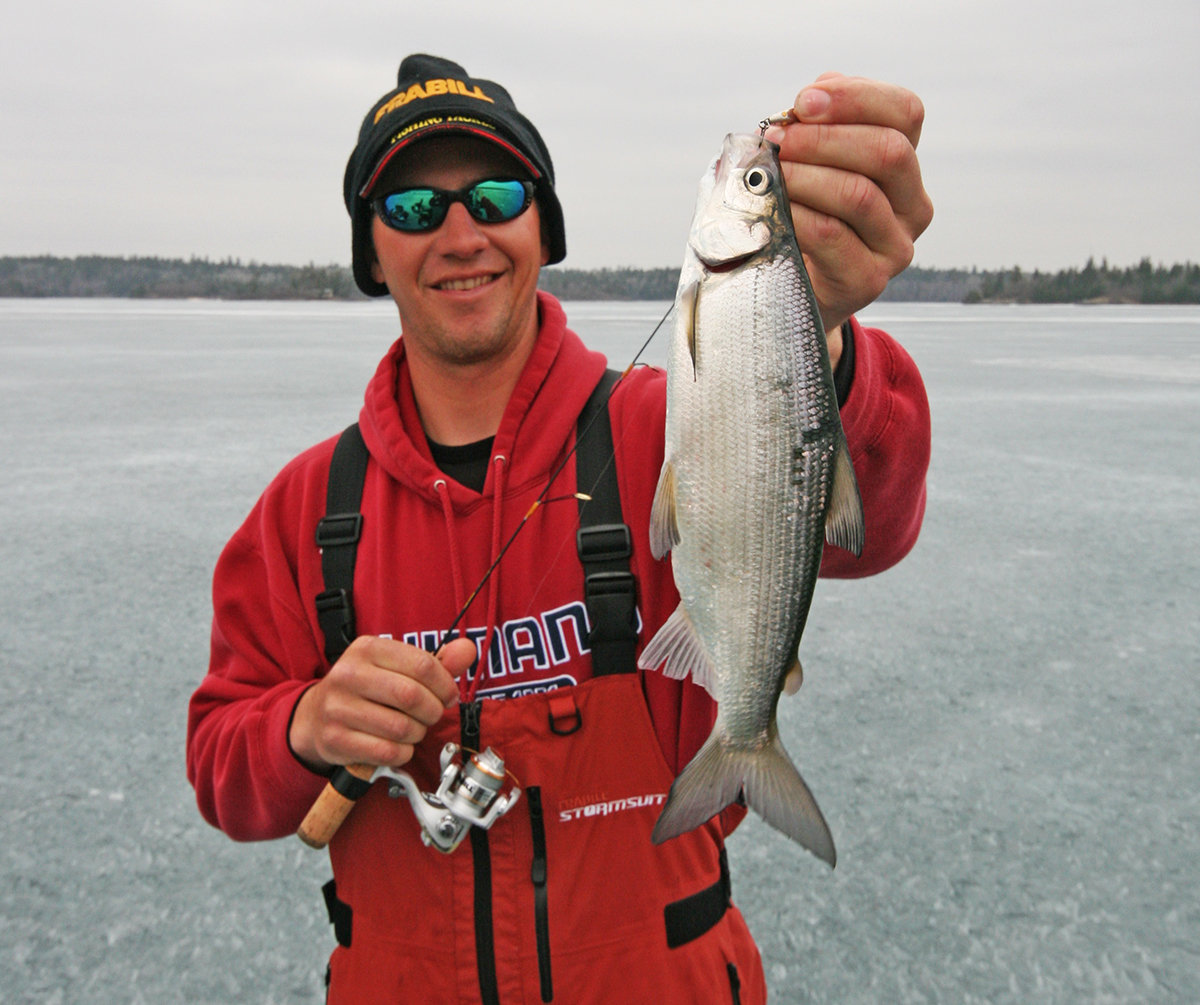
457,655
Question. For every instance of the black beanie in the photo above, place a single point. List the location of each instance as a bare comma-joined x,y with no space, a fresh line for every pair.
435,95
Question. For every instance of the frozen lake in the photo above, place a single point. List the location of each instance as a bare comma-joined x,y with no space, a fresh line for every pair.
1003,731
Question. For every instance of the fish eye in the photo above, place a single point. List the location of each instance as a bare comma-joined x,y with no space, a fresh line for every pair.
757,180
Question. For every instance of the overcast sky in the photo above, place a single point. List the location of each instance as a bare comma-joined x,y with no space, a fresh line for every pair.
1054,130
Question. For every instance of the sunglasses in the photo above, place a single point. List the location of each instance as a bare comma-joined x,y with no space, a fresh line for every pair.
416,210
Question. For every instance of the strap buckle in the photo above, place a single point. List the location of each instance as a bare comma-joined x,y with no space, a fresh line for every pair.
611,598
338,529
605,542
335,615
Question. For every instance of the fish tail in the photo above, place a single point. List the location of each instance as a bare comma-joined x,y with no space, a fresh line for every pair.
766,775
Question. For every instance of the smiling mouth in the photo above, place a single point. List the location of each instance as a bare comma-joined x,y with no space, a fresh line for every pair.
465,284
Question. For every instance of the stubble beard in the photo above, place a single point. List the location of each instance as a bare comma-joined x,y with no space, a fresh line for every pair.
491,341
451,347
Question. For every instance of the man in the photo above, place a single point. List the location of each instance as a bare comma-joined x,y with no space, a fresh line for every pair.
451,193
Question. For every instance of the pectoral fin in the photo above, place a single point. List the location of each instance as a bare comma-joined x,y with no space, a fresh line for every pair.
664,528
689,304
844,518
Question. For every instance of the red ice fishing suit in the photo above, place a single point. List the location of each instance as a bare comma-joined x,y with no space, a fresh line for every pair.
565,896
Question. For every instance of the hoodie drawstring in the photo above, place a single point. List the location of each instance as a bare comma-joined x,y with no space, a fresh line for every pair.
467,689
494,585
455,566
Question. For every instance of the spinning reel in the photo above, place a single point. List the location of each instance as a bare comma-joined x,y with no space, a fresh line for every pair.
467,795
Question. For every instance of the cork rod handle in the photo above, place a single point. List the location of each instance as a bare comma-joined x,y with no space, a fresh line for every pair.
330,809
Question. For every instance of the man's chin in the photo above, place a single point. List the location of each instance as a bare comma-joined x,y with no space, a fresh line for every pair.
471,338
469,345
461,354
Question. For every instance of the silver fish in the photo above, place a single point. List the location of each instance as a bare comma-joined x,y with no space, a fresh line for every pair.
757,476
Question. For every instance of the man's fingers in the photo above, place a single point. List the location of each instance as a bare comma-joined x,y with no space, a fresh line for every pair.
359,682
352,716
406,695
408,661
337,725
853,199
834,99
883,155
354,747
845,274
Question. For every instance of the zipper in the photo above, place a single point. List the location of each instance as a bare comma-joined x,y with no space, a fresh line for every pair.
541,912
485,946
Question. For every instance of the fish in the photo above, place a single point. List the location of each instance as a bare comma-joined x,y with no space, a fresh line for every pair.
756,478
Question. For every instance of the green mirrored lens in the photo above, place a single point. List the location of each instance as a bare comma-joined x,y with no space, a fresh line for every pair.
496,201
415,209
489,201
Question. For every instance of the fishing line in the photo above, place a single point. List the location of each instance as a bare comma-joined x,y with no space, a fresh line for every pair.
542,497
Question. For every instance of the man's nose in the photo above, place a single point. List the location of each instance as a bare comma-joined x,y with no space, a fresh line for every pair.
460,233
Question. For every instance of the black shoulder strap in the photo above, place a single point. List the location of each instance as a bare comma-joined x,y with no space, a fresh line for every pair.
604,541
337,537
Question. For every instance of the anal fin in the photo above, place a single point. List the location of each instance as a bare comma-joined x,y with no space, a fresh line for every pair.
679,648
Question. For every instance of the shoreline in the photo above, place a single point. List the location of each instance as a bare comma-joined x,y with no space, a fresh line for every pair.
87,277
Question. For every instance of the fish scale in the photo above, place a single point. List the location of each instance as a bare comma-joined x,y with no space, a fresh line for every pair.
756,462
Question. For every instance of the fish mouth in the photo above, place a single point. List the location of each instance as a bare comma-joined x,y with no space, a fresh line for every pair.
729,265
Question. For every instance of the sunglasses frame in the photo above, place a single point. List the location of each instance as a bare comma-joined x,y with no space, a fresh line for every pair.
450,197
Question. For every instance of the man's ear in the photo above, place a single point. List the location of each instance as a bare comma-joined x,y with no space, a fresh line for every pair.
545,252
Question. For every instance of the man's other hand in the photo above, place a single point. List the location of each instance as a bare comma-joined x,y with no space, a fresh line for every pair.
850,165
376,703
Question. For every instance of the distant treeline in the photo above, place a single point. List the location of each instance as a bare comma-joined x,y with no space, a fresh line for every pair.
610,284
172,278
230,279
1143,283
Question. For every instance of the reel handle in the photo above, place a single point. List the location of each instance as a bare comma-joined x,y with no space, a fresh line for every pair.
330,809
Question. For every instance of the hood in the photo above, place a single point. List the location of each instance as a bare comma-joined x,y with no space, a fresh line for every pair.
554,386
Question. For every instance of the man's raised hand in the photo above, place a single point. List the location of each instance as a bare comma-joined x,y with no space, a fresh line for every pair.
858,204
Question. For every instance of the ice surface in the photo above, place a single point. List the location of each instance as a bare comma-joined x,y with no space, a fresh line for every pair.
1004,731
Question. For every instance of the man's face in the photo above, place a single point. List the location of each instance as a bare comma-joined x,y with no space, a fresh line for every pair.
467,291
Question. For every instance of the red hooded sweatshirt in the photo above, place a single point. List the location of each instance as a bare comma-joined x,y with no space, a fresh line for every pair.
427,541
